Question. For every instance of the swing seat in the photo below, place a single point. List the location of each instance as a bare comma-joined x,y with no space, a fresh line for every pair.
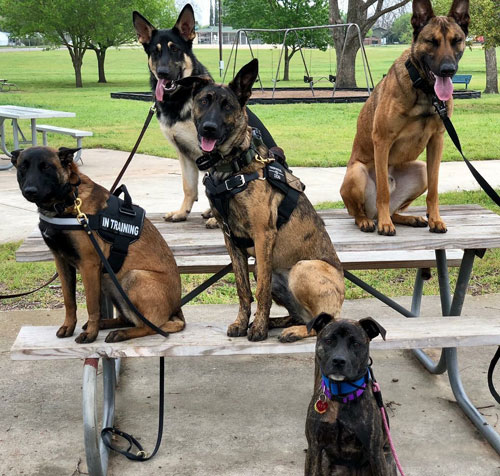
310,79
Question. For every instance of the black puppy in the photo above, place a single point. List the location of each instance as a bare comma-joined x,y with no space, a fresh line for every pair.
344,426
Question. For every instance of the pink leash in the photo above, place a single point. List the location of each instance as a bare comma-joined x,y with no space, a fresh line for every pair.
376,389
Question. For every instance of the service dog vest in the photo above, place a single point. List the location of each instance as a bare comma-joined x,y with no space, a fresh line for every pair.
120,223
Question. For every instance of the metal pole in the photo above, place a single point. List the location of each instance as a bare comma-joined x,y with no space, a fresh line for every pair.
221,63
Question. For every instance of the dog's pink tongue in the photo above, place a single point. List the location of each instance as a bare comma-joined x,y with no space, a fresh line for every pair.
160,89
443,87
207,145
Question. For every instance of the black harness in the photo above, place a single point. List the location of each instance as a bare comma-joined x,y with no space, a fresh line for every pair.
119,223
220,192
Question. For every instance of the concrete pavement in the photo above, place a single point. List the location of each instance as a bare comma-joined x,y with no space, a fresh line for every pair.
237,416
155,184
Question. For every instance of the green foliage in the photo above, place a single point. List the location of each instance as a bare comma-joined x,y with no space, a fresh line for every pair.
401,30
281,14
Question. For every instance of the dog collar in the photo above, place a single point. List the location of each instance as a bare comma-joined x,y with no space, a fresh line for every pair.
69,223
343,391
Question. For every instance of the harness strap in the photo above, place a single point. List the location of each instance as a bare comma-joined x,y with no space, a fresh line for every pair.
440,106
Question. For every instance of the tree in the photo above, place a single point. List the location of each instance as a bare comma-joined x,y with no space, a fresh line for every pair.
278,14
401,30
113,24
66,22
364,13
485,21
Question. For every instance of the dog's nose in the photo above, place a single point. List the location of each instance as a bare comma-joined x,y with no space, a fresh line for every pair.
339,362
30,192
447,69
209,128
162,71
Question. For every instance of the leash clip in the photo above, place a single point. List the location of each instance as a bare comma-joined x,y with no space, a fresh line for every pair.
440,107
81,217
142,454
263,160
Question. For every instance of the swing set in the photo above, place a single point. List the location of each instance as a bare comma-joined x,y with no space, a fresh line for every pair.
308,76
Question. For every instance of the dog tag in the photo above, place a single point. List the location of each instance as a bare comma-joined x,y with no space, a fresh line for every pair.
321,406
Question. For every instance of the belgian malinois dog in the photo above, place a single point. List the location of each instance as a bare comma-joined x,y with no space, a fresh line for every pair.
170,58
344,427
149,275
296,264
399,121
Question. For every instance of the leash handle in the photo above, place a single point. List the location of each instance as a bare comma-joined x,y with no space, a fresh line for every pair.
377,392
140,455
151,112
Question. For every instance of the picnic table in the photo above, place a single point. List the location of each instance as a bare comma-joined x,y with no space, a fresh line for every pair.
471,231
17,113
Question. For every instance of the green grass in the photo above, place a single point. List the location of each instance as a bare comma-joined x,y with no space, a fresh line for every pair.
485,279
311,134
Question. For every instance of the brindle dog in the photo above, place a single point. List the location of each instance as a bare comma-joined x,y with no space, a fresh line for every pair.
399,121
345,438
296,265
49,178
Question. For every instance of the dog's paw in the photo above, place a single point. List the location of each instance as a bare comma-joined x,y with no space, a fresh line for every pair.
65,331
86,338
175,216
386,229
234,330
116,336
290,335
257,333
211,223
418,222
207,213
437,226
366,225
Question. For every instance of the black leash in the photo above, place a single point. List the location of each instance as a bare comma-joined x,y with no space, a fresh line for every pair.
10,296
491,369
151,112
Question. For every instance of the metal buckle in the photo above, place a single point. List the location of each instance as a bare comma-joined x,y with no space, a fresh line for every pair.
440,107
242,182
226,229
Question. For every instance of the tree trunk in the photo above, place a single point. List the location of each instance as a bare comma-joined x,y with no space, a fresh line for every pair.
490,56
286,72
101,56
346,70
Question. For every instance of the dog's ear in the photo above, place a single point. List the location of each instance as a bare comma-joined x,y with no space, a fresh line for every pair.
143,28
459,11
242,83
422,13
15,155
66,155
197,83
185,23
319,322
372,328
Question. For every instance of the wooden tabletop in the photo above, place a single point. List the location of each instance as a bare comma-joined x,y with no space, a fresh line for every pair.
19,112
198,249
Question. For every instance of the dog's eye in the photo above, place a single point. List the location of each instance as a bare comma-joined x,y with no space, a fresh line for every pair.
174,49
456,41
228,107
44,166
204,101
432,41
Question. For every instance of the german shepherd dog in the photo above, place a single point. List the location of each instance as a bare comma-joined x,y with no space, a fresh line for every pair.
296,264
399,121
50,179
170,58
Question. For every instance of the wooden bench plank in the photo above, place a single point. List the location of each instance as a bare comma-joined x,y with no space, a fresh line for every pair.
200,339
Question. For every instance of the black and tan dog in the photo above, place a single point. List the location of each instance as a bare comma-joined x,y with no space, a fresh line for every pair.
344,426
296,264
50,179
170,58
399,121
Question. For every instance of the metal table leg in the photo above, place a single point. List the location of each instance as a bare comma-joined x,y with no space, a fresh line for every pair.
96,452
3,145
33,132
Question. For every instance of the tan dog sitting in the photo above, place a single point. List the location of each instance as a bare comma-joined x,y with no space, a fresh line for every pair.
399,121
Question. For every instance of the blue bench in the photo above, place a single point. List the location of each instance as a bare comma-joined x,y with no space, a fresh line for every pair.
462,79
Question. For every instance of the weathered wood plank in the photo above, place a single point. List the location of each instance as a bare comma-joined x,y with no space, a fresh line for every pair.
469,226
199,339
